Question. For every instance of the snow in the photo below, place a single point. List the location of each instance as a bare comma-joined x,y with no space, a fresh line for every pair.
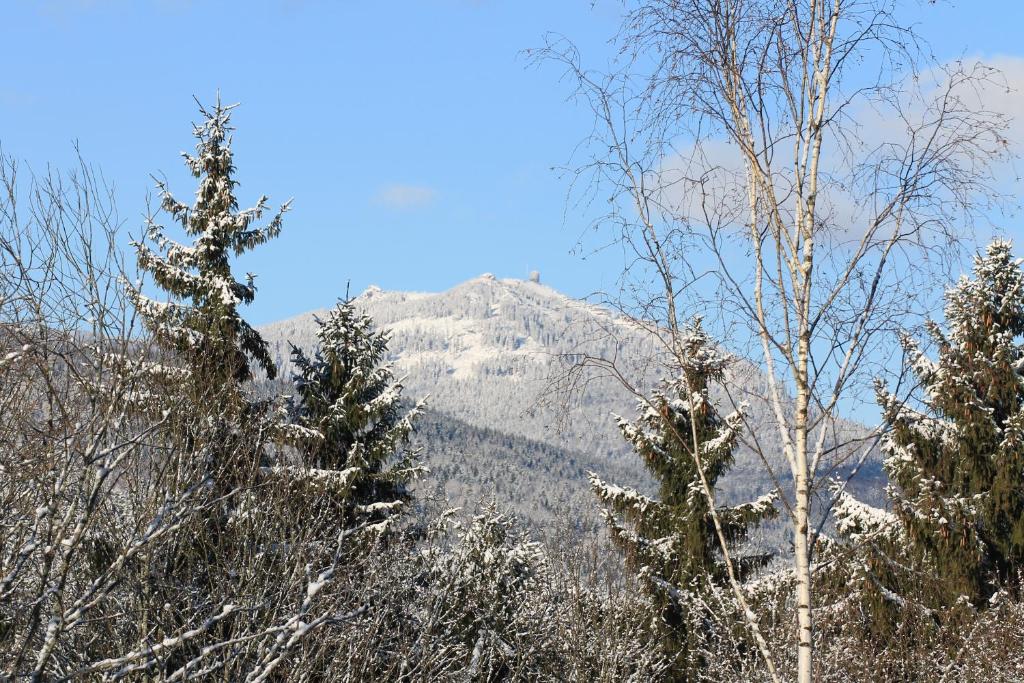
464,345
13,356
380,506
338,479
485,350
856,520
619,495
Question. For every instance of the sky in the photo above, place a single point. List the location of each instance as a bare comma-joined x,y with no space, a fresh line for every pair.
418,142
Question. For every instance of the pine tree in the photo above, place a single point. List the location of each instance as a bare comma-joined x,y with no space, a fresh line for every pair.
870,577
349,396
957,467
201,323
213,435
671,539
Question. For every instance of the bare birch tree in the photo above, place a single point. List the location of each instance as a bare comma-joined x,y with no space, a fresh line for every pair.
799,172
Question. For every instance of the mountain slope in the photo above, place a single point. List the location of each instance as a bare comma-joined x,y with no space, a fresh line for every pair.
545,485
486,351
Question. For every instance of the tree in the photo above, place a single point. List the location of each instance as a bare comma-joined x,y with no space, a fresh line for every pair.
348,395
203,324
229,558
742,149
957,467
687,446
66,434
212,346
873,571
138,536
490,595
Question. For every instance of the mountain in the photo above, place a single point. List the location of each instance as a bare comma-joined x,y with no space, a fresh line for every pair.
493,354
484,351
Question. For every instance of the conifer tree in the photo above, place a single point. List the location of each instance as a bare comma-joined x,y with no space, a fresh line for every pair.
201,323
348,394
671,539
957,467
871,575
213,434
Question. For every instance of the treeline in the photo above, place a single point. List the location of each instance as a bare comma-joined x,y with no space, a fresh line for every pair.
163,518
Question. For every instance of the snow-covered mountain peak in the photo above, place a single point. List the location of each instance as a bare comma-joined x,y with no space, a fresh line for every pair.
485,350
481,297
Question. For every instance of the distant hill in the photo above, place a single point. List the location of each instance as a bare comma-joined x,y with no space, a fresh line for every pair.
547,486
486,351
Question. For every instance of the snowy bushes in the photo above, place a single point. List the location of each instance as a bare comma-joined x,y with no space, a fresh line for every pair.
477,600
491,581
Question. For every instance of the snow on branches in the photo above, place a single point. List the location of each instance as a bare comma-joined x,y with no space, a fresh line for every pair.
202,322
348,395
955,466
674,541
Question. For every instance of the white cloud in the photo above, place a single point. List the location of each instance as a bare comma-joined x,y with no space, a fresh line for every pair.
1005,94
399,196
845,204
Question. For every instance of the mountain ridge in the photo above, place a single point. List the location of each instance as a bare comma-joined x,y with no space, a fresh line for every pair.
505,335
487,352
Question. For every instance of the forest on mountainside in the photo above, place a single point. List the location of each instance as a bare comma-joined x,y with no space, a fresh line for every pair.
485,352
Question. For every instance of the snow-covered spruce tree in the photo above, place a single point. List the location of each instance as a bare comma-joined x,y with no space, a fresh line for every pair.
957,467
213,433
201,323
348,394
671,540
211,346
871,591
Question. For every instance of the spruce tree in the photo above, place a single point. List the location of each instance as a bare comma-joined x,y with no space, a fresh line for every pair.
348,395
212,435
871,577
201,322
671,539
957,466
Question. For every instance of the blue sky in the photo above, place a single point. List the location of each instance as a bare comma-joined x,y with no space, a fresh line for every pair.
414,137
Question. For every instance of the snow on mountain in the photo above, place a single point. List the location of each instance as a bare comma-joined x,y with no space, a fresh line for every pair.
486,350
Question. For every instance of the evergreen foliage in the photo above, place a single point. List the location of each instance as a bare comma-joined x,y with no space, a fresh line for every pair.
671,540
213,435
201,322
872,570
220,432
349,397
957,467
